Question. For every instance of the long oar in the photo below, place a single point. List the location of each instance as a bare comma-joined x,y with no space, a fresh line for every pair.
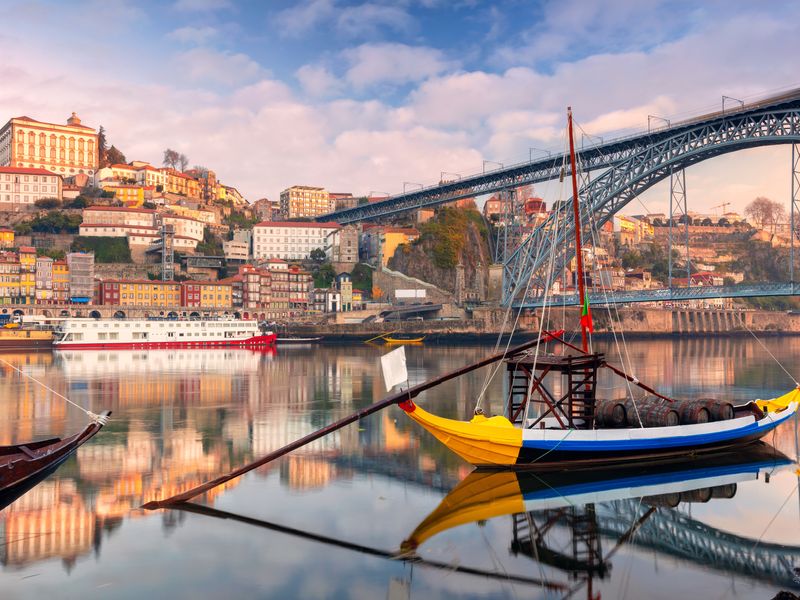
380,336
368,550
401,396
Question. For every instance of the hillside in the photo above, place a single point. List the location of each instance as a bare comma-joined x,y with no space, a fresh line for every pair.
453,237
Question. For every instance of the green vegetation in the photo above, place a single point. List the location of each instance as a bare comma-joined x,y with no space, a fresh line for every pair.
447,232
53,222
53,253
210,246
759,261
47,203
654,258
239,220
78,202
106,249
362,278
324,276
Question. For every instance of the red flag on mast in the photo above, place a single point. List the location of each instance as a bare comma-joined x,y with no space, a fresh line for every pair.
586,315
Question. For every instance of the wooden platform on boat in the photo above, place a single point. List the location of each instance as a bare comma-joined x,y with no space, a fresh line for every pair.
557,362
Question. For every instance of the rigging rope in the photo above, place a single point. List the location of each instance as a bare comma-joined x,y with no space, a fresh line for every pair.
744,324
101,419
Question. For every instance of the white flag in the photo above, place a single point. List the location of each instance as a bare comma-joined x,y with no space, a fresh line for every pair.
394,367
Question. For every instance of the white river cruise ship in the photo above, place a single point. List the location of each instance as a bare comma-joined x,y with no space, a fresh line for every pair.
159,333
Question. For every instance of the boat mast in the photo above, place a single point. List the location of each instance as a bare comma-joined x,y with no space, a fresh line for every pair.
576,212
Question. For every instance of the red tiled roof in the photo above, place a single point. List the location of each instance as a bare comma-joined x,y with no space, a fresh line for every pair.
27,171
328,225
118,225
148,281
27,249
149,211
23,118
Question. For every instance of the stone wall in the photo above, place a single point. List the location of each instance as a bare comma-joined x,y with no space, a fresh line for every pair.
388,281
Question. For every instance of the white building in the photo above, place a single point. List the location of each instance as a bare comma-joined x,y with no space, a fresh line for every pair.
292,240
235,250
185,227
21,186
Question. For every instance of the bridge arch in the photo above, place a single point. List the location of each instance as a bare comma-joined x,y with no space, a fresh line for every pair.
614,188
95,314
120,314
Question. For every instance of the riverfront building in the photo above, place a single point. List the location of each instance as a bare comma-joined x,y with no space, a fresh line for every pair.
63,149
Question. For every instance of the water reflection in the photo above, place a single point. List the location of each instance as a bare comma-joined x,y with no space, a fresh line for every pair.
183,417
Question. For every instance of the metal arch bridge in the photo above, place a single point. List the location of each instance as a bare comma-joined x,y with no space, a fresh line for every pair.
675,533
699,131
768,123
629,166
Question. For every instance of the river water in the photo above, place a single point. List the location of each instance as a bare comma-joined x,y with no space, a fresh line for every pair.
330,520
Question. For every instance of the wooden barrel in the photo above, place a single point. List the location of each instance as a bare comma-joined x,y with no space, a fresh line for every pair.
724,491
633,411
719,410
659,415
701,495
669,500
692,411
610,413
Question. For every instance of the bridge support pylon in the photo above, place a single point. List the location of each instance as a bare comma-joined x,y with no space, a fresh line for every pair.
677,208
793,222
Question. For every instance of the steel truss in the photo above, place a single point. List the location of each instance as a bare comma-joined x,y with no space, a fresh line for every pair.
609,192
591,158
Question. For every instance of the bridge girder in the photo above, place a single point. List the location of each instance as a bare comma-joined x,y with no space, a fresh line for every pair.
609,192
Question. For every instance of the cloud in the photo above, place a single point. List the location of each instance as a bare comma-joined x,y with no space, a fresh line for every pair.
361,20
318,81
369,19
303,17
209,67
202,5
193,35
393,63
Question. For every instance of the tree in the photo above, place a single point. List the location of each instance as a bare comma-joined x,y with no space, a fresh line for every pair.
102,146
47,203
765,213
115,157
171,158
183,162
318,255
201,170
324,276
706,222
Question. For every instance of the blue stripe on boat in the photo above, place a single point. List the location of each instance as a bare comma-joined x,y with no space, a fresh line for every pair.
566,445
652,479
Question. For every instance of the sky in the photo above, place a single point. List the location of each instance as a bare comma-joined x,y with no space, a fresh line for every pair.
371,97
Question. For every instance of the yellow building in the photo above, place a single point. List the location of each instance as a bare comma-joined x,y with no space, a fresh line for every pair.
63,149
305,201
382,242
132,196
6,238
60,281
9,279
215,295
27,275
140,292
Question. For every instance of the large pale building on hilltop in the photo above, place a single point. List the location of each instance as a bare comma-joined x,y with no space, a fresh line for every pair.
305,201
66,150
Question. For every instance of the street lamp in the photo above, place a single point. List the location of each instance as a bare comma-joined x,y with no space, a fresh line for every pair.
656,117
530,153
443,173
741,102
492,162
590,137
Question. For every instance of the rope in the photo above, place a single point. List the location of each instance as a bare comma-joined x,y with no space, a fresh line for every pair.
101,419
744,324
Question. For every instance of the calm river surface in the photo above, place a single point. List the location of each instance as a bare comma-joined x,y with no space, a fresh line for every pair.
319,521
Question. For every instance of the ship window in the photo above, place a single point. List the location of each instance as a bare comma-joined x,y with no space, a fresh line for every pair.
77,336
113,335
102,335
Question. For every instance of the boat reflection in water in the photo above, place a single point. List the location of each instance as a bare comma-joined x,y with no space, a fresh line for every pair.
638,505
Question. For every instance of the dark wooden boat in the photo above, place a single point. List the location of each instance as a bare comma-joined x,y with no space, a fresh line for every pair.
293,339
24,465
